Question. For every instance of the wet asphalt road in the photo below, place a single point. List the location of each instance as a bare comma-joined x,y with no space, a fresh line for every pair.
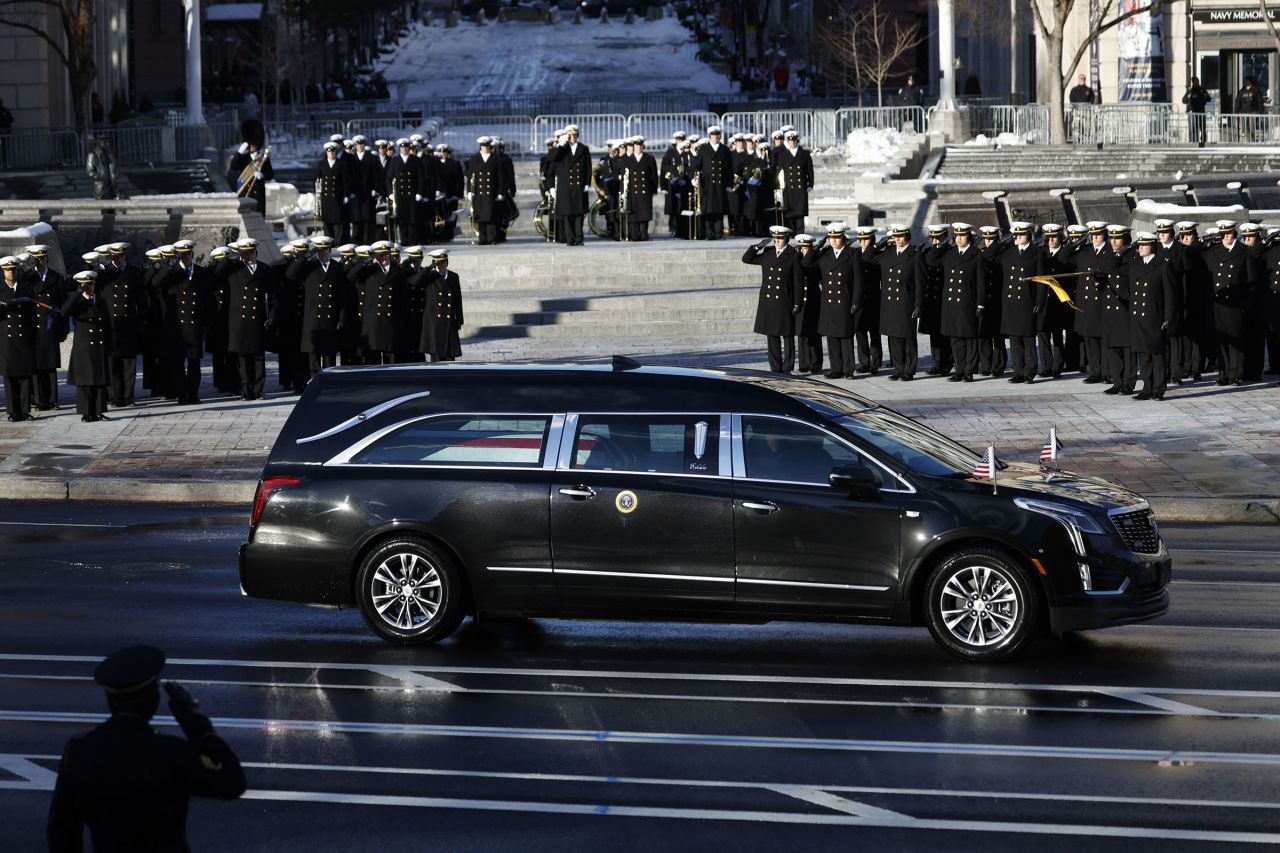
556,735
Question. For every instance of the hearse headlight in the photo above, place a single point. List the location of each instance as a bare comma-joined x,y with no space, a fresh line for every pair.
1076,521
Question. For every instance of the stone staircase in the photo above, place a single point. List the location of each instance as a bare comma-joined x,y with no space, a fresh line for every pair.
961,162
526,289
75,184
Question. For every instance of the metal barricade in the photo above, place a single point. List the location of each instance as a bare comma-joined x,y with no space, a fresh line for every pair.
849,119
301,140
1030,122
190,141
40,148
462,131
592,129
1120,124
133,146
656,128
1246,128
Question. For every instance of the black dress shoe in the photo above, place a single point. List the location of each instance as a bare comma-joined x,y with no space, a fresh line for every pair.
967,379
1030,380
907,377
1057,374
1178,381
87,419
1114,389
1016,380
894,378
1222,380
1145,395
851,375
1045,375
1238,383
955,378
831,374
1093,380
1159,395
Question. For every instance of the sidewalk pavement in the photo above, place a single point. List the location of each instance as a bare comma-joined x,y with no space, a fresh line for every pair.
1204,454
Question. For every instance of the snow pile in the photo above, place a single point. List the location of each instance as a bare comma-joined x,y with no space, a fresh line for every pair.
1003,139
1155,209
872,146
523,57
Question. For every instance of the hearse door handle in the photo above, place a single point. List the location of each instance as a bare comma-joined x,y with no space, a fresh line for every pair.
584,492
762,506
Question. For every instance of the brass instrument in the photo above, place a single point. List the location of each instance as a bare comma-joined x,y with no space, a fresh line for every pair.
596,170
696,220
624,206
598,210
245,183
779,206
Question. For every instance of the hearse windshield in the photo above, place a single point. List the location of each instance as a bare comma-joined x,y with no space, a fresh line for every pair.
916,447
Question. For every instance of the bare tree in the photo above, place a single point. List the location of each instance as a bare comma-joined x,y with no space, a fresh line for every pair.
865,43
74,49
1051,18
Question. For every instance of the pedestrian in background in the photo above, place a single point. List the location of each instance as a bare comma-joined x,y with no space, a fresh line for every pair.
1196,99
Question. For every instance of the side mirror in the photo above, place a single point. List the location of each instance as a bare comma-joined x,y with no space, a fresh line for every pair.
860,482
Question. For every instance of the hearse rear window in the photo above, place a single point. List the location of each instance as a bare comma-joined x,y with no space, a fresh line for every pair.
655,444
461,440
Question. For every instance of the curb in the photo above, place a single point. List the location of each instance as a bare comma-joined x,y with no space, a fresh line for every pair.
1169,510
140,490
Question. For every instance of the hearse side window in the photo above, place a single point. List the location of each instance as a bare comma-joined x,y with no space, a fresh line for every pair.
777,449
507,441
658,444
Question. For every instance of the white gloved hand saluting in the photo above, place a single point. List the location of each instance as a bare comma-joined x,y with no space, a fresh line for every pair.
244,148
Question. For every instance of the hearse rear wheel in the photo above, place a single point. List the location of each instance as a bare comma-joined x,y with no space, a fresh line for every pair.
409,592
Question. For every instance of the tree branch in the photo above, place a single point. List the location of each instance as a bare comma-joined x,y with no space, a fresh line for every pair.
1271,27
53,44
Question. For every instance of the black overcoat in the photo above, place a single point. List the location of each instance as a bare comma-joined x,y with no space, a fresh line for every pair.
798,171
964,278
484,182
91,339
779,288
1021,301
1094,262
642,183
714,169
53,290
131,302
383,304
251,297
1153,304
327,296
19,327
840,283
900,275
442,316
572,172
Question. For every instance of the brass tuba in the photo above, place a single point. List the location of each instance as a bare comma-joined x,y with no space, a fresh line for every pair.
779,206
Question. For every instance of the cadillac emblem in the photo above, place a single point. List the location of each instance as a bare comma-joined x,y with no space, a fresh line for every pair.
626,502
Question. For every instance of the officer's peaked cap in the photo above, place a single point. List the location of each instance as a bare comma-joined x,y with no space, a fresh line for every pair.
129,669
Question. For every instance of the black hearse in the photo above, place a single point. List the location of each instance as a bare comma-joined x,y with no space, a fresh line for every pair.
425,493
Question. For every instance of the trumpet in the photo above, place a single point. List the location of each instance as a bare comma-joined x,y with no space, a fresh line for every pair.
696,219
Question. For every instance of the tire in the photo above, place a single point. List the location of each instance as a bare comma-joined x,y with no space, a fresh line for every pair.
429,607
980,605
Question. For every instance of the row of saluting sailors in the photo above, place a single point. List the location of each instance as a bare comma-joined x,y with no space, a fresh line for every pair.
317,306
1169,305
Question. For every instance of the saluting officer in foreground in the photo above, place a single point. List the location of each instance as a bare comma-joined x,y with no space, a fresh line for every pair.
840,282
442,314
125,782
901,271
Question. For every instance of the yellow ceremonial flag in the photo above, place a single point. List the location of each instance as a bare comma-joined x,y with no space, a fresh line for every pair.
1058,290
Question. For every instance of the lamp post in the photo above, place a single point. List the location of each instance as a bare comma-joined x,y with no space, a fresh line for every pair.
946,56
195,106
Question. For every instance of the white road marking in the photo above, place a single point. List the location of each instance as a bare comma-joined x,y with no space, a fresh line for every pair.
828,800
1156,707
330,727
52,524
943,793
34,777
1176,550
410,673
1169,705
602,809
1270,584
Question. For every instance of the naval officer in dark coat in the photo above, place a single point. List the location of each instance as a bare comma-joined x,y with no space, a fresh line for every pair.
964,277
901,272
780,289
840,282
125,782
91,347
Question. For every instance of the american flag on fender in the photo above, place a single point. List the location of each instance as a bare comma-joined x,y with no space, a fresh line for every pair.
1049,453
986,467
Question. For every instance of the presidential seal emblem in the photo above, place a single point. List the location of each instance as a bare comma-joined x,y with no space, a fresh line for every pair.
626,502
